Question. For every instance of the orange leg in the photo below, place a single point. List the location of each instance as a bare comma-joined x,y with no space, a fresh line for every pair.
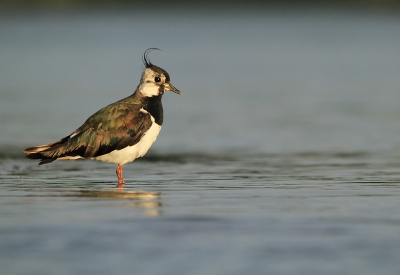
120,176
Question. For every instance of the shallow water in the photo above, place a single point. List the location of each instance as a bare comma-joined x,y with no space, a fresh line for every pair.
280,157
309,213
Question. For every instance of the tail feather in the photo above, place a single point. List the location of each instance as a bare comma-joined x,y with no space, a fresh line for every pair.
35,153
37,149
45,161
49,152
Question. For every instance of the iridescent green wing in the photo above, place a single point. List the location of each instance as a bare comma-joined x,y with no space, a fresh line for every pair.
114,127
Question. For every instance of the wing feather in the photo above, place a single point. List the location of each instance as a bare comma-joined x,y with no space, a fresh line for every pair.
114,127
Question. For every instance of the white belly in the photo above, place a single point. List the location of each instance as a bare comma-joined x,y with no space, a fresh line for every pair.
130,153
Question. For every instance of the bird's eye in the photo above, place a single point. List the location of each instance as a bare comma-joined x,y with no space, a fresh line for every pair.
157,79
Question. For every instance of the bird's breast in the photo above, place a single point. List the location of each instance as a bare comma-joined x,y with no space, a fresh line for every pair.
130,153
154,106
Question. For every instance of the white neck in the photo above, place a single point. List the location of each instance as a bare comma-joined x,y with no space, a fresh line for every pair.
149,89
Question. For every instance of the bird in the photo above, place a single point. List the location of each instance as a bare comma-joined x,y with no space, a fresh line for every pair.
120,132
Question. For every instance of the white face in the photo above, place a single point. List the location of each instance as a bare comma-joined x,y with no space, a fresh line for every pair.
151,82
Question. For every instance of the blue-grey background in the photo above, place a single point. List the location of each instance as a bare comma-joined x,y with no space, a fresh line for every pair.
281,156
266,80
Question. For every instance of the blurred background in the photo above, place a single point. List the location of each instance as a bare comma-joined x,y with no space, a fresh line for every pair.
254,75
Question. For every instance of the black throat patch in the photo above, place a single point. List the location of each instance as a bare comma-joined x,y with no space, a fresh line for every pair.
154,106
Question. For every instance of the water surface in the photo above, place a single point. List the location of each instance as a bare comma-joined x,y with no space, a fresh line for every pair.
332,213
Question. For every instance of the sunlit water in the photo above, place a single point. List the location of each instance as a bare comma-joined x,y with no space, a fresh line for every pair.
280,157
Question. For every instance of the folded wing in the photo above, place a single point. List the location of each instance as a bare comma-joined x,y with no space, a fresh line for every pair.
112,128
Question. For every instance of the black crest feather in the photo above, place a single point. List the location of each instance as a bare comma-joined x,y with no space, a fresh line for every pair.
146,60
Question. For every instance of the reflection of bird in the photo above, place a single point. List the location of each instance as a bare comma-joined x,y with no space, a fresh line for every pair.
120,132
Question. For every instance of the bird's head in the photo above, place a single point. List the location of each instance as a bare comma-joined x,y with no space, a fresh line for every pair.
155,80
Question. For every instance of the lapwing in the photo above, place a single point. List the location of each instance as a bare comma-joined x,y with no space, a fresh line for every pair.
120,132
